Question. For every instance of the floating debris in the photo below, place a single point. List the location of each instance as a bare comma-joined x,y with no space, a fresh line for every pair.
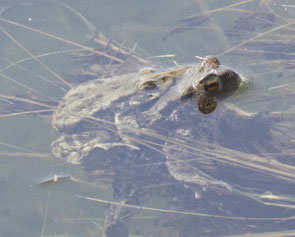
54,178
164,56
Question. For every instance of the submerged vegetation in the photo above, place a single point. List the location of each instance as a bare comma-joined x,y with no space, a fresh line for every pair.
236,178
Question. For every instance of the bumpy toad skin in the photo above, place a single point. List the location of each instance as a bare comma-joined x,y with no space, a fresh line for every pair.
104,113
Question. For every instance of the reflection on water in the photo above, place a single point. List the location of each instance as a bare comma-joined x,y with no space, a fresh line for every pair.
228,173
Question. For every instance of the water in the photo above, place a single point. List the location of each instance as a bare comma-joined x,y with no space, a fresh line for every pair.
253,37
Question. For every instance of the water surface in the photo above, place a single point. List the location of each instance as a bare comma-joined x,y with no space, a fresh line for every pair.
38,41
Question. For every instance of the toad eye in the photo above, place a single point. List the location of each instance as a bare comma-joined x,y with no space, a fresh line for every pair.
211,85
148,85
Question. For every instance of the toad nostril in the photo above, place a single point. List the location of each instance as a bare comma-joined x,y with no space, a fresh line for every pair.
230,75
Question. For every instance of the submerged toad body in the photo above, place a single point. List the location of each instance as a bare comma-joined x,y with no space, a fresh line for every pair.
142,126
102,114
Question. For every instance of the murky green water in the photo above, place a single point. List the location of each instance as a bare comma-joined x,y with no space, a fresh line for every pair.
38,39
